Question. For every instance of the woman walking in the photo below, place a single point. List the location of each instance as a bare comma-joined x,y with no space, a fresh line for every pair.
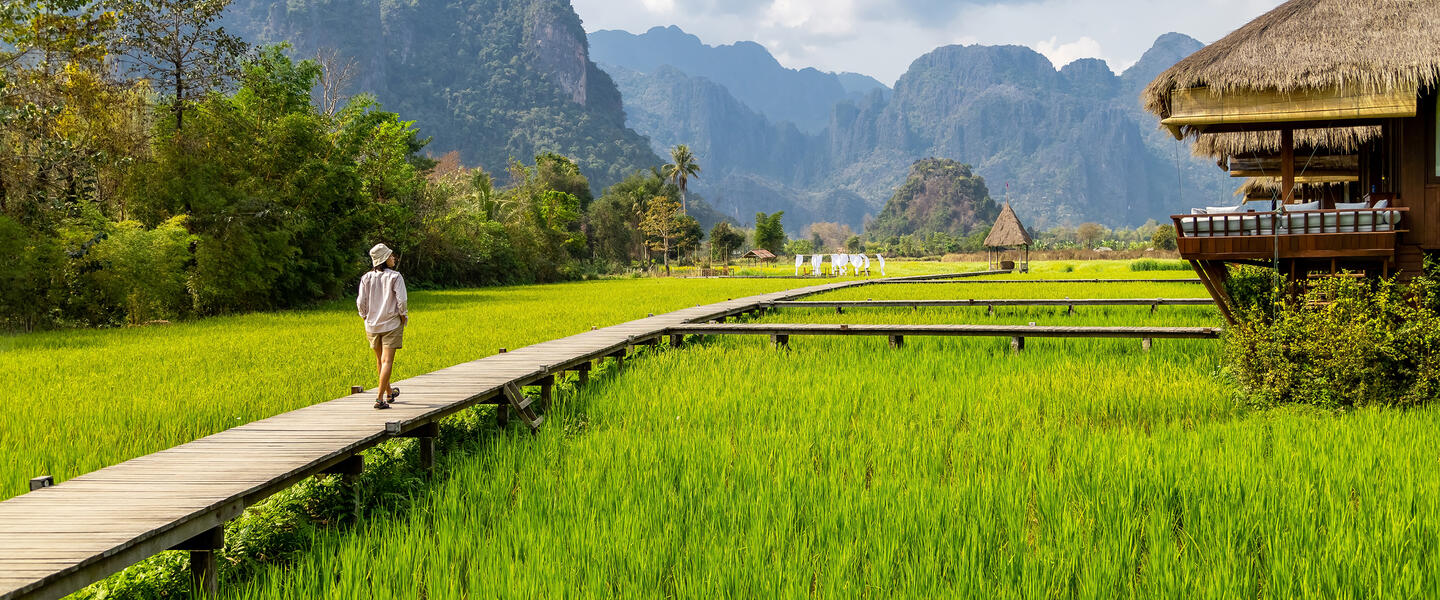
382,305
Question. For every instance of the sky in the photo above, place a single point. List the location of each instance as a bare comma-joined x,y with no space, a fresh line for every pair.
880,38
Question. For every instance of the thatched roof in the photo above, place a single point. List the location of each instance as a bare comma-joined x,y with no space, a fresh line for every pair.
1269,187
1335,140
759,253
1007,231
1372,45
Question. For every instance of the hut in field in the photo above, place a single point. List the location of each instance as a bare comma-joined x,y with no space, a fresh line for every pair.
1339,94
1008,235
759,255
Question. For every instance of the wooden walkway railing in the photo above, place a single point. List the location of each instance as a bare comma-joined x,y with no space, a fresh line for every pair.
780,332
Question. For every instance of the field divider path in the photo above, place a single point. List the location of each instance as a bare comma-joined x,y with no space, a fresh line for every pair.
56,540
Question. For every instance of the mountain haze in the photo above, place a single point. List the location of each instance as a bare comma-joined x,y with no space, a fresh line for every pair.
1072,143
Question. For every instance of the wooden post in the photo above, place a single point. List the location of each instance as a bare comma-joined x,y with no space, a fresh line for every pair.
356,389
619,359
1145,343
424,435
349,469
780,340
582,373
42,481
839,310
897,341
204,577
1287,165
547,392
1017,344
677,340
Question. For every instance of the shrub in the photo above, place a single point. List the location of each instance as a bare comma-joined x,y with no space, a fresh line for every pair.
1150,264
1343,342
143,270
1164,238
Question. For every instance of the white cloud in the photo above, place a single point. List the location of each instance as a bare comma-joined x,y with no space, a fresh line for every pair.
882,37
1064,54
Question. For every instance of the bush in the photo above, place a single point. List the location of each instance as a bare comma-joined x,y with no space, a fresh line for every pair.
1164,238
143,270
1150,264
1343,342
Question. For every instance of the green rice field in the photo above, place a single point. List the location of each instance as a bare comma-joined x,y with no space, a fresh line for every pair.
840,467
948,468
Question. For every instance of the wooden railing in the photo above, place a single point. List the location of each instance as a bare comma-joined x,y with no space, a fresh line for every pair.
1304,222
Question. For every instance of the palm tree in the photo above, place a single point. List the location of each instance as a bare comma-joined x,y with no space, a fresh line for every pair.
681,168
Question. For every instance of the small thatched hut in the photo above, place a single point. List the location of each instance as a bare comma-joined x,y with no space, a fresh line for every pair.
1007,234
759,254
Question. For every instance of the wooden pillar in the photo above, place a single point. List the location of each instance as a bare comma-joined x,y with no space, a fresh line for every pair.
349,470
839,310
582,373
619,359
1287,165
1017,344
897,341
780,340
677,340
1145,343
547,392
204,570
424,436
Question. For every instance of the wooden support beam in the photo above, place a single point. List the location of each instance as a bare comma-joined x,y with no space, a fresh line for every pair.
1287,165
349,466
1145,344
619,358
897,341
677,340
582,373
1017,344
780,340
547,392
42,481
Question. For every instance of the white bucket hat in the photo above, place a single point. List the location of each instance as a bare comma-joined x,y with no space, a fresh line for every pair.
379,254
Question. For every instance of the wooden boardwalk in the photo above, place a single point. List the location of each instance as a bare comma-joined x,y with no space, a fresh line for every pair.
993,302
56,540
953,280
780,332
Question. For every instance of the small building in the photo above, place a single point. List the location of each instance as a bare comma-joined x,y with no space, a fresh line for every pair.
1008,237
1320,92
759,254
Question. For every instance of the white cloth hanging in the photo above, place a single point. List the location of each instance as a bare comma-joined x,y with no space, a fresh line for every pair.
867,263
816,261
881,258
838,262
799,260
857,261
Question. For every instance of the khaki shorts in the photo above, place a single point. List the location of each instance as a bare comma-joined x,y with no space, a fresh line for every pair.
395,338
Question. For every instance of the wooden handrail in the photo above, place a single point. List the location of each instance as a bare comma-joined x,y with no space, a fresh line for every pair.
1193,225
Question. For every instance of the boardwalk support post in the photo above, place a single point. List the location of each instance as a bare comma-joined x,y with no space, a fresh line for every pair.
619,357
677,340
425,435
780,340
203,567
1017,344
349,470
582,373
897,341
42,481
839,310
547,392
1145,343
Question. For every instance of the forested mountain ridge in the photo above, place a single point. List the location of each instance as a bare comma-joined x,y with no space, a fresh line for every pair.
1072,142
491,79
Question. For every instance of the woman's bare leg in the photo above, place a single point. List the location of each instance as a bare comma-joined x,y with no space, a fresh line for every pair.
379,371
387,362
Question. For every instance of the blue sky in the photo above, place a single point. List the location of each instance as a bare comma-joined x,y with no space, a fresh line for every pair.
880,38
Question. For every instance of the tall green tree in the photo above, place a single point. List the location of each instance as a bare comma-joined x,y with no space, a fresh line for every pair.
769,232
178,45
681,168
662,225
723,240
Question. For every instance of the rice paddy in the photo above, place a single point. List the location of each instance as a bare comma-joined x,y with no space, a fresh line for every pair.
948,468
951,467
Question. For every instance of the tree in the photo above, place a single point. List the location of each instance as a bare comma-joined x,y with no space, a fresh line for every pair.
177,44
817,245
830,236
724,239
855,245
769,232
681,168
661,224
1163,238
1089,234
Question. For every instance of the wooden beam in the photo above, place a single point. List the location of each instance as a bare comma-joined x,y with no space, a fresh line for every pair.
1287,165
1199,107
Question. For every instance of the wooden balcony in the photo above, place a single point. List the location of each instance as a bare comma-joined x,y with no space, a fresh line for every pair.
1333,234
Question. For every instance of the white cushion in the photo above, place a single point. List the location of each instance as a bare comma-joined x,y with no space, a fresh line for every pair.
1197,211
1212,210
1306,206
1382,203
1351,205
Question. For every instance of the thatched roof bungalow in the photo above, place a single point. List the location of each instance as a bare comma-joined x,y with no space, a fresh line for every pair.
1348,82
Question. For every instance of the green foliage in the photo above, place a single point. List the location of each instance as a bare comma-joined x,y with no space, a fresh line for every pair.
1343,342
1164,238
938,196
143,270
855,245
724,240
799,247
1253,290
1150,264
179,46
770,232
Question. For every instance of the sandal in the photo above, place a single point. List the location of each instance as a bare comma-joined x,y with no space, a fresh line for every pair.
381,406
394,393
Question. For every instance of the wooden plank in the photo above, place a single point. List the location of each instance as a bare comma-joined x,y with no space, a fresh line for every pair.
994,302
792,329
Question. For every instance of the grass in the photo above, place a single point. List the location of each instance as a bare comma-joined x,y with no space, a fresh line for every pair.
949,468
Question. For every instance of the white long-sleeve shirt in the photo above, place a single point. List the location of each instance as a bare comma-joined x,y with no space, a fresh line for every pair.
382,300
